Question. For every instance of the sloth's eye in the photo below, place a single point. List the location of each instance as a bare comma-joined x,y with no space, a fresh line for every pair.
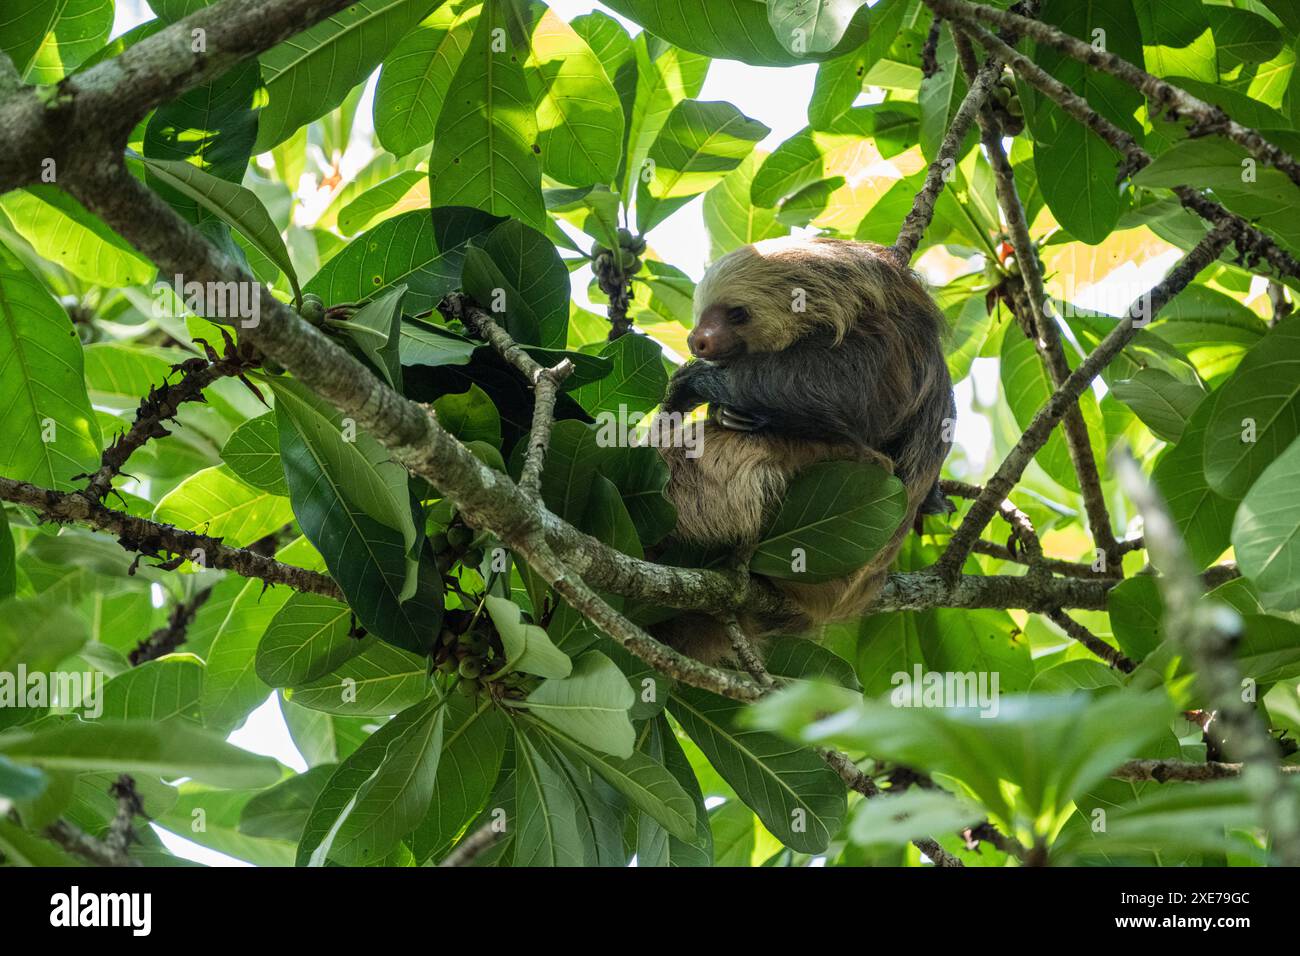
738,315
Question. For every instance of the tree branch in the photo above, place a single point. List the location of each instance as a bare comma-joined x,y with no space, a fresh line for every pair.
1171,771
1035,436
153,538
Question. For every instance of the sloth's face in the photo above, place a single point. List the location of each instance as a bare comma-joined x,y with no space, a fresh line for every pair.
719,333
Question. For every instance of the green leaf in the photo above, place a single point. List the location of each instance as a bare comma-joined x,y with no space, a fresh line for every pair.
579,117
1266,532
160,690
811,26
1256,413
516,270
473,747
425,344
835,517
51,433
217,503
910,816
407,191
395,798
656,846
140,746
309,637
547,808
1136,615
636,384
62,231
730,218
663,79
1177,40
405,250
796,795
231,687
281,812
82,27
1164,404
379,681
802,659
376,330
232,204
1203,516
337,798
698,144
8,558
417,74
252,452
485,141
19,782
1027,387
470,416
212,126
590,705
310,74
38,633
527,646
731,30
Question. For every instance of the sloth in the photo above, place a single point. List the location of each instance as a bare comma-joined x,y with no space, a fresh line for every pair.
806,350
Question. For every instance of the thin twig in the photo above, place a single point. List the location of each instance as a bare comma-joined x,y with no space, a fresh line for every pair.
746,656
155,539
1091,641
1205,118
171,635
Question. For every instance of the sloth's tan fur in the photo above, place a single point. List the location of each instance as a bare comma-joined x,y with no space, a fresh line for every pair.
728,494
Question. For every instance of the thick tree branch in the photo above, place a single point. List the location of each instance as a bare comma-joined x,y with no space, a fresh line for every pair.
1035,436
155,539
1209,634
1205,118
96,109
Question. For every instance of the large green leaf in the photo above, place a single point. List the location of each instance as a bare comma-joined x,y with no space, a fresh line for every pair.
664,77
252,452
835,517
731,219
636,384
485,141
379,681
338,796
516,270
232,204
698,144
311,73
738,29
50,432
417,73
216,502
140,746
309,636
1203,516
396,797
473,746
656,846
796,795
590,705
1266,532
811,26
549,819
159,690
371,562
1256,413
579,117
61,230
231,687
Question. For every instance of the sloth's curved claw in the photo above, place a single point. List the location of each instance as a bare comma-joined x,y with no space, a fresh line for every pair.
735,420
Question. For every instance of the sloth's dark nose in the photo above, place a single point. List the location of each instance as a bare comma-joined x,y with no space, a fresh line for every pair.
703,343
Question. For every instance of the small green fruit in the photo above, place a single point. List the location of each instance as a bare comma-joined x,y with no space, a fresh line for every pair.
470,668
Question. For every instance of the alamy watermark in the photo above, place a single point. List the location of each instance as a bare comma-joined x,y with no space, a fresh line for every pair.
212,300
73,690
628,429
946,689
